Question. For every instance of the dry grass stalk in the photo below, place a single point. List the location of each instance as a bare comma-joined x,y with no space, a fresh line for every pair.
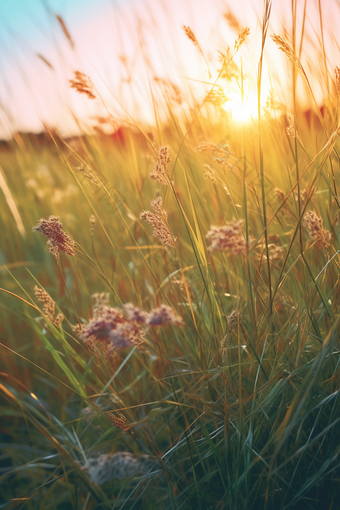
45,60
64,29
210,174
92,224
161,172
83,84
337,79
58,240
283,45
317,232
228,237
48,306
158,221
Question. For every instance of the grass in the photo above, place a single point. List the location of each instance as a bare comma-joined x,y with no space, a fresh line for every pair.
238,407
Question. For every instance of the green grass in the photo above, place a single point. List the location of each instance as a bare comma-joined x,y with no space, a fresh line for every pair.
255,426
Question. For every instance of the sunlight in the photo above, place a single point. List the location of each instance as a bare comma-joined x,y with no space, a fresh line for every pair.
241,110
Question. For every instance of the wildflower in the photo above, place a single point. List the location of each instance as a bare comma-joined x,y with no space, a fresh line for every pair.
210,174
111,330
158,221
48,306
228,237
117,466
291,131
135,314
162,316
160,172
317,232
83,84
57,238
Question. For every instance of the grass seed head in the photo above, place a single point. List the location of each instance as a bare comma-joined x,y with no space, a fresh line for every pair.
157,221
283,45
228,237
210,174
58,240
161,172
162,316
48,306
317,232
83,84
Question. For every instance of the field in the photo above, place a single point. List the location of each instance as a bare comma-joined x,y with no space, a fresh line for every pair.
170,302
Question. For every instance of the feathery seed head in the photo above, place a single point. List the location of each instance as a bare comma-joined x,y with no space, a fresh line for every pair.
291,131
317,232
58,240
83,84
337,79
210,174
135,314
160,172
228,237
162,316
48,306
283,45
158,221
241,38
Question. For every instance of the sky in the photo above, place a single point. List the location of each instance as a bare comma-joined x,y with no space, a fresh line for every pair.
124,44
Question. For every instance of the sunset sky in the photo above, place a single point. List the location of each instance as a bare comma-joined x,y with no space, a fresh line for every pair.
123,44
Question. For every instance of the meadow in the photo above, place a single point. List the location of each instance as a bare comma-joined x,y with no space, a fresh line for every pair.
170,302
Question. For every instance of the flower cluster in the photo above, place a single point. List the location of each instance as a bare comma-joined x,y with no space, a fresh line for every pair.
111,329
228,237
58,240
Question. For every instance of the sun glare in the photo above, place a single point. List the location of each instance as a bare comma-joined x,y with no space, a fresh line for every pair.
242,109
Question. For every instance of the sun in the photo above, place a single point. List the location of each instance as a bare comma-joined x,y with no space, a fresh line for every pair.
242,109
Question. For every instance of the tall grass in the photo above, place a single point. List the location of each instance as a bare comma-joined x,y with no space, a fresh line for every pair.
238,405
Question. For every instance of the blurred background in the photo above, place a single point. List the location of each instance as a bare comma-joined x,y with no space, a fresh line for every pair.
130,48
